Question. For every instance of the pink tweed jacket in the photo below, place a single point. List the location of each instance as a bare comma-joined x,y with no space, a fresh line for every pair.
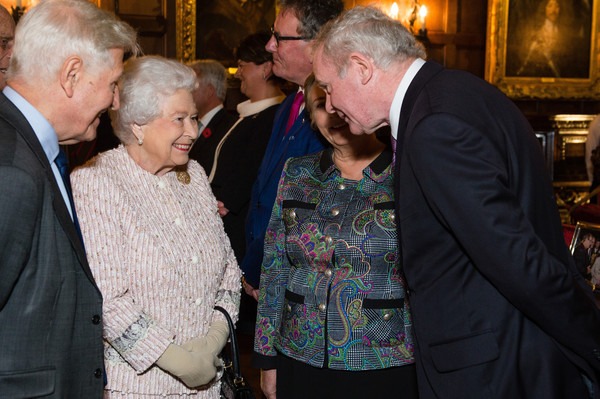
162,260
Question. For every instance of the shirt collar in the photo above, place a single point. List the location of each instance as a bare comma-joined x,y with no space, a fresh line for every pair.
408,77
40,125
209,115
248,107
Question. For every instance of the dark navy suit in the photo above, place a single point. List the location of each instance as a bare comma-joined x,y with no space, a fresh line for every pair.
205,146
300,140
499,310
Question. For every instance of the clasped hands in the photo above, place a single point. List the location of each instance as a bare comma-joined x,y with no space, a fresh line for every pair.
196,361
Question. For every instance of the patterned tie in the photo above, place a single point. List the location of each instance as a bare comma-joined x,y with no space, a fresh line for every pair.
294,110
62,163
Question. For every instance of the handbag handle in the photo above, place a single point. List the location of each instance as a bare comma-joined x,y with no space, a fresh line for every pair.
235,356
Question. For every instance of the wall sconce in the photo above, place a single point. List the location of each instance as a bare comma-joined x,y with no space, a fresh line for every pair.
407,12
18,7
422,34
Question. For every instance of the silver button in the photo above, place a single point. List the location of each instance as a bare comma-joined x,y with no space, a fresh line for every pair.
289,308
328,272
328,240
393,216
341,186
292,214
322,307
161,184
335,211
178,222
198,302
387,316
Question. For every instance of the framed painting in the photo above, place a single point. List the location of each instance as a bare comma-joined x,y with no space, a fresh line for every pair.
222,24
543,49
213,28
185,30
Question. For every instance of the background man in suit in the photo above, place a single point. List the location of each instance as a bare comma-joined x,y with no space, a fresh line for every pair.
7,36
67,58
296,24
214,120
583,254
499,310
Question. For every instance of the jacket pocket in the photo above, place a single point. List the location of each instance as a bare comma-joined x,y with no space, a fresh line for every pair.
295,332
383,322
295,212
27,384
385,214
465,351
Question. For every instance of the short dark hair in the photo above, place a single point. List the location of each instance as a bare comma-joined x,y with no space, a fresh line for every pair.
252,48
312,14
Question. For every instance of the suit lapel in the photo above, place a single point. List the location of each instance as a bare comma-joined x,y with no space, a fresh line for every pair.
216,119
14,116
279,156
279,143
427,71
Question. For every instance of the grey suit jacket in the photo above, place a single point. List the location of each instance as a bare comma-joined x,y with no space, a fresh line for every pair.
50,306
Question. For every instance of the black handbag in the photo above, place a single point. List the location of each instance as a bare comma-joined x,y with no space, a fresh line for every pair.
233,385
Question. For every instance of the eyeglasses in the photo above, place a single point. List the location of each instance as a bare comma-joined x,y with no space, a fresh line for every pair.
279,38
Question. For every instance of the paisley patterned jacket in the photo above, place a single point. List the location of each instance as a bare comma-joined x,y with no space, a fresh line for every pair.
331,292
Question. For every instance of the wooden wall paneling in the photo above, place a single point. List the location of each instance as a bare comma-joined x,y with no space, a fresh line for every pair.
457,34
156,31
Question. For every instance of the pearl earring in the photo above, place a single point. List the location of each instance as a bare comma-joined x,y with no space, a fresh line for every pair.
140,141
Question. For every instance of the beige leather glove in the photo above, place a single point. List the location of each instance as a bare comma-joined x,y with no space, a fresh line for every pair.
193,368
213,342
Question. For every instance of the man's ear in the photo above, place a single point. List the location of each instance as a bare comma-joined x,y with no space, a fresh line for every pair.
70,72
211,90
363,66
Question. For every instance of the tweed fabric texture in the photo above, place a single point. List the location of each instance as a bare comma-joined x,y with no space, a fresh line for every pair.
161,258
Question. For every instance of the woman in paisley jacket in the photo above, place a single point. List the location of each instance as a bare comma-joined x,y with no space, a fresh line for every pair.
333,321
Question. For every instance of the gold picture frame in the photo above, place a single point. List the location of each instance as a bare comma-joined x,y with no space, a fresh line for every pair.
523,63
185,31
188,15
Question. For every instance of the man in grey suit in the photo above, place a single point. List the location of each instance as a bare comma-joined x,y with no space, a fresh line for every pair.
67,57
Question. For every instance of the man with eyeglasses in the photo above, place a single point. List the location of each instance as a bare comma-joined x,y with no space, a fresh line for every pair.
296,24
7,33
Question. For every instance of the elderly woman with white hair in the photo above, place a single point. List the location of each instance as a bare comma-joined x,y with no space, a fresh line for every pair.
155,242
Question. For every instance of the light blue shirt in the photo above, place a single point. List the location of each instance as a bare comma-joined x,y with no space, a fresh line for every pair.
45,134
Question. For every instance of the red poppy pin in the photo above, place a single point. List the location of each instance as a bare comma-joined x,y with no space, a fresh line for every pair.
206,133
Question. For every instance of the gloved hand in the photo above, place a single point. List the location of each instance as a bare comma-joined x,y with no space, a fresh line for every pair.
193,368
213,342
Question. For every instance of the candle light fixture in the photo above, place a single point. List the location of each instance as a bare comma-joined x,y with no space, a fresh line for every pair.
18,7
407,12
422,34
